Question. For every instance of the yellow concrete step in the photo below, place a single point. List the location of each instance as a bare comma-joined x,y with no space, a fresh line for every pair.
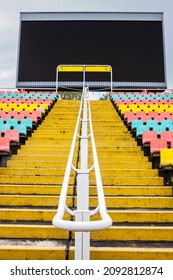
117,159
126,253
33,189
34,171
134,202
135,233
41,152
134,190
129,181
37,164
118,216
125,165
41,157
32,200
129,172
32,232
33,180
32,253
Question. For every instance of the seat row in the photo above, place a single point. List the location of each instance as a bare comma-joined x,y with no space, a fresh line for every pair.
132,97
26,96
35,116
38,101
130,116
21,107
145,108
142,101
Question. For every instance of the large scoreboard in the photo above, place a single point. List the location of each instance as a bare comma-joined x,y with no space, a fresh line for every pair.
131,43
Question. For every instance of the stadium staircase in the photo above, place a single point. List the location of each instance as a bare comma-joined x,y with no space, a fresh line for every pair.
137,200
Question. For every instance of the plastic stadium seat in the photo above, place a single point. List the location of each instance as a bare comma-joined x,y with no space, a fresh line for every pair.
12,135
157,144
141,115
24,114
168,135
152,115
27,123
1,121
4,145
118,102
147,136
136,123
167,123
165,115
128,114
166,157
152,123
12,122
12,114
21,128
140,130
4,127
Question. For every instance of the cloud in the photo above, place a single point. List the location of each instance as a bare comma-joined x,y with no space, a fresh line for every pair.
7,77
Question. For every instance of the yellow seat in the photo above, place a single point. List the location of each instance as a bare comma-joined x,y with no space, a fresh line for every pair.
123,108
166,157
170,109
45,106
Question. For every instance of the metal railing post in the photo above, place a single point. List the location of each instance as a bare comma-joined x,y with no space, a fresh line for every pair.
82,239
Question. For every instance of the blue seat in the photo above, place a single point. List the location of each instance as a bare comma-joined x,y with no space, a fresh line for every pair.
1,121
151,123
21,128
4,127
159,129
136,123
167,123
12,122
27,123
141,129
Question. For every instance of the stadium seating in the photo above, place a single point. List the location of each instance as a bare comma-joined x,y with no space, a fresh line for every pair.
136,198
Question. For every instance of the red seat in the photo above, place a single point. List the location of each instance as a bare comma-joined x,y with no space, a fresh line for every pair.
12,114
152,115
165,115
128,114
12,135
147,136
118,101
157,144
168,135
4,145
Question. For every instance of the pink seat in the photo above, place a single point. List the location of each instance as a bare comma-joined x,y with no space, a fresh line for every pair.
128,114
157,144
4,145
165,115
152,115
147,136
12,135
168,135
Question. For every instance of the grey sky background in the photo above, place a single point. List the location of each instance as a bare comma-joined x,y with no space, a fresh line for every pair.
9,26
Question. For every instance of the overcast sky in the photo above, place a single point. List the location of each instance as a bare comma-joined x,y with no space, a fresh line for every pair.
9,25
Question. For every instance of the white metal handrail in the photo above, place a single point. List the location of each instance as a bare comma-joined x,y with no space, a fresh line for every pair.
82,226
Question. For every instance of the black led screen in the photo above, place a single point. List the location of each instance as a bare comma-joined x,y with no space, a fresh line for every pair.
134,49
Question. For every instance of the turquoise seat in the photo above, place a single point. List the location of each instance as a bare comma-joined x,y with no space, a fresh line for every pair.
21,128
12,122
151,124
167,123
141,129
1,121
4,127
27,123
136,123
159,129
